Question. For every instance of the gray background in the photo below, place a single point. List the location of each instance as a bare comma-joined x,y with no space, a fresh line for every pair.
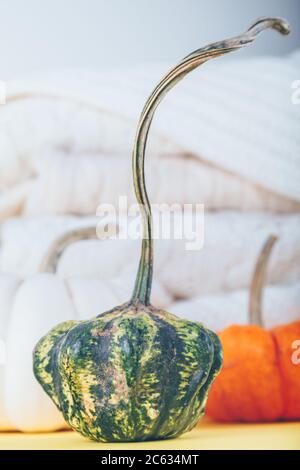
41,34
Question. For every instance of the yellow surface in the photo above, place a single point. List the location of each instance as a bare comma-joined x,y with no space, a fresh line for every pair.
206,436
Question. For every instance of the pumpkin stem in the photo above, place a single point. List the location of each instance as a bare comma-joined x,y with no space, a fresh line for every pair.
50,261
258,282
142,289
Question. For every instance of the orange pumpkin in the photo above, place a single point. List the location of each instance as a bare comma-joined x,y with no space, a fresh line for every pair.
260,378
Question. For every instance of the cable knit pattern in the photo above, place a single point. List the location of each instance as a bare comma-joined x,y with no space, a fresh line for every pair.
231,124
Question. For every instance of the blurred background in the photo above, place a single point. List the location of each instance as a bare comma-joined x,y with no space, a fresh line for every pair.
93,33
77,74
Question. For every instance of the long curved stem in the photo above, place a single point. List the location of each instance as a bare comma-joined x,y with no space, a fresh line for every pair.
258,282
142,289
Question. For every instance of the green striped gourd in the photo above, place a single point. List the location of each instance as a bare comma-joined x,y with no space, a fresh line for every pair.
137,373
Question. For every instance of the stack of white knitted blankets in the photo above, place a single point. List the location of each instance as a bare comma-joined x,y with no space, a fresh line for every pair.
227,137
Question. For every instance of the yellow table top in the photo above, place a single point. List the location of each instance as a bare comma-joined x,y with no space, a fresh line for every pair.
207,436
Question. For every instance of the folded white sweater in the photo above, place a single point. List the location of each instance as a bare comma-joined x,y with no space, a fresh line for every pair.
281,304
228,136
222,264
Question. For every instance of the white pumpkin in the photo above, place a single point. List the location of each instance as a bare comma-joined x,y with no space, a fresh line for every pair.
28,309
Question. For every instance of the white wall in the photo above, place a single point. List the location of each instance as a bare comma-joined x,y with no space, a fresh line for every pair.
39,34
